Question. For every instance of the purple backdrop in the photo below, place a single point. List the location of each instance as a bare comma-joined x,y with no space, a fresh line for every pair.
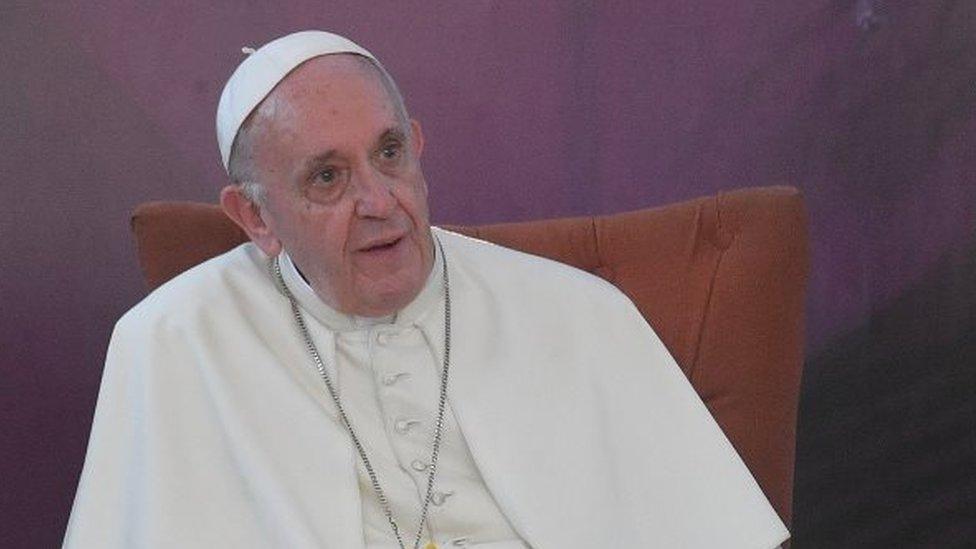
561,108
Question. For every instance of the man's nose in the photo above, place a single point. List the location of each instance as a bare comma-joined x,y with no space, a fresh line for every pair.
373,194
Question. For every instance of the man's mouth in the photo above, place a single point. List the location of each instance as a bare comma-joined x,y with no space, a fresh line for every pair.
380,245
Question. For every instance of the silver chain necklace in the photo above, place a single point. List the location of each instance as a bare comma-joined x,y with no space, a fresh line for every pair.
442,401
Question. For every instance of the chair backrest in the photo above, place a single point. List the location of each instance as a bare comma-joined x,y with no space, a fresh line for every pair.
722,280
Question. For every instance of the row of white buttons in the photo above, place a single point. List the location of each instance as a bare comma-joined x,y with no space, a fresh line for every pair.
403,426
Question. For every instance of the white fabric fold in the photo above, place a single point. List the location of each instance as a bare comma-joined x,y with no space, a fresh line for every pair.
213,431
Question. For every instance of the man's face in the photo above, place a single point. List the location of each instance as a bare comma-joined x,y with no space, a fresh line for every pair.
345,195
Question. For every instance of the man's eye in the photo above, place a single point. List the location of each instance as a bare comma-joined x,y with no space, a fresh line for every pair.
391,151
326,176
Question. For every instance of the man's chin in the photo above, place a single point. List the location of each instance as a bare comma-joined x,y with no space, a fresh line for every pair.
390,283
383,299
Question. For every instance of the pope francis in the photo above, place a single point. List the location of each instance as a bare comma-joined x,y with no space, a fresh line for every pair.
353,378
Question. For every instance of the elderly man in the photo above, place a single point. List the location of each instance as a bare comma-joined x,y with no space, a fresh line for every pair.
353,378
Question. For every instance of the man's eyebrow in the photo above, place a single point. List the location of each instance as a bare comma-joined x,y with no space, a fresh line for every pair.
319,159
393,132
312,162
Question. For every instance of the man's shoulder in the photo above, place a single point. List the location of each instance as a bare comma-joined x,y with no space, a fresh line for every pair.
530,275
234,275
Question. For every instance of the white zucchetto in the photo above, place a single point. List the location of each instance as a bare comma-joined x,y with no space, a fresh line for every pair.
261,71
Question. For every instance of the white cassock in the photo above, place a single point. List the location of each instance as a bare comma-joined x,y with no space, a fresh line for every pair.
569,424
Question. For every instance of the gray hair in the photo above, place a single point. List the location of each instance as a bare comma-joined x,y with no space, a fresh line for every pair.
241,166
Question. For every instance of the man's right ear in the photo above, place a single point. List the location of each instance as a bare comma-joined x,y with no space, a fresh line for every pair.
247,215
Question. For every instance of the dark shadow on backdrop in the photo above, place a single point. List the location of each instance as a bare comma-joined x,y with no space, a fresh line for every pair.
886,444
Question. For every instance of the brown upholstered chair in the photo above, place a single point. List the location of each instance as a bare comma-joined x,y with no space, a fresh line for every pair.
721,279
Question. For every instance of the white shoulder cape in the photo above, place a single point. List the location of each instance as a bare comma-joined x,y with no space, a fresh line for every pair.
213,429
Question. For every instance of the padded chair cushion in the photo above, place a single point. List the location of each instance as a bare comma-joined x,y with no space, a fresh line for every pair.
721,279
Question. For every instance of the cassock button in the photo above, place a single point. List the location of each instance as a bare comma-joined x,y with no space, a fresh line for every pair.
438,498
418,465
391,379
403,426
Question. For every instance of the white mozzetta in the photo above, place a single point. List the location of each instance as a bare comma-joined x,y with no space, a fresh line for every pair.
213,429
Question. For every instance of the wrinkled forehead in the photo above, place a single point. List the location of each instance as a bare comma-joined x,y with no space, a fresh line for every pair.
264,69
327,92
319,75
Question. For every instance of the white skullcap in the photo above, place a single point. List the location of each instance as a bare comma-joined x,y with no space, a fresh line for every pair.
261,71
